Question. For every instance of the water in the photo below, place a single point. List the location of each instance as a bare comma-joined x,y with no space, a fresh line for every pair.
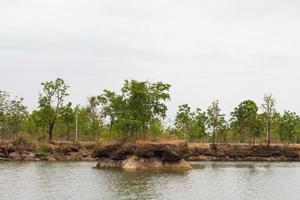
80,180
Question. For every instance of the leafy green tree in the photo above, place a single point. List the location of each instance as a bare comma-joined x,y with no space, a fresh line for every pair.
112,105
51,101
156,127
67,116
17,113
84,123
268,107
244,117
287,126
259,128
4,104
96,114
297,128
199,124
142,102
12,113
215,120
41,118
184,120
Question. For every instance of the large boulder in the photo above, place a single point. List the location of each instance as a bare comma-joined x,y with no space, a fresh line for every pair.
137,163
14,156
142,155
120,151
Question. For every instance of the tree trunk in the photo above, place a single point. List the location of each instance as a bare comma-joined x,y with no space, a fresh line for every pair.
51,126
253,142
68,136
268,134
214,137
111,124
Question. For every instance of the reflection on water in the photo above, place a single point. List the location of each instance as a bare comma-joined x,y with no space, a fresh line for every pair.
209,180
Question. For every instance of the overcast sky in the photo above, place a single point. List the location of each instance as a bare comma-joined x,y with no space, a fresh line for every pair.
229,50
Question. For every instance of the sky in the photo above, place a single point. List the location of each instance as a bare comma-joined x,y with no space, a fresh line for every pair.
230,50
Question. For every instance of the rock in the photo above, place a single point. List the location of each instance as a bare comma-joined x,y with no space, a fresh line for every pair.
28,156
291,154
50,148
74,149
4,159
198,158
2,155
67,150
143,155
50,158
165,151
10,148
109,163
14,156
170,156
84,154
41,156
136,163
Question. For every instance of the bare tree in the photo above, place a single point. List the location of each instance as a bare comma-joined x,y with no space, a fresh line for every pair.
269,109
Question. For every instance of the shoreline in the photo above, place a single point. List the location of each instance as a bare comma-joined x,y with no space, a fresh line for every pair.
170,151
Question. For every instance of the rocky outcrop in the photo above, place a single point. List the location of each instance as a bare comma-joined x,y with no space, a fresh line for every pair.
142,155
26,151
199,152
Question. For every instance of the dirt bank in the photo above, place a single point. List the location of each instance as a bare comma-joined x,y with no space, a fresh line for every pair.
143,155
242,152
24,150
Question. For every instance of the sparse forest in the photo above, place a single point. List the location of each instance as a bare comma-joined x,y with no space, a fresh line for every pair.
138,111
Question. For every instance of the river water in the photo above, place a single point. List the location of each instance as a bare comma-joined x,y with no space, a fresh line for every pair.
208,181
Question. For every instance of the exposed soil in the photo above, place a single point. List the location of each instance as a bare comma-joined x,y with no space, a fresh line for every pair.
242,152
143,154
22,150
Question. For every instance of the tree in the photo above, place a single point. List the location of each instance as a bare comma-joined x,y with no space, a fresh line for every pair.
142,102
244,117
112,105
4,104
17,113
51,101
259,127
12,113
199,124
184,120
287,126
95,113
215,120
269,109
67,116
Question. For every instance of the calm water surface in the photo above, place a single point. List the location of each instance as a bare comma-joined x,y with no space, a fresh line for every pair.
80,180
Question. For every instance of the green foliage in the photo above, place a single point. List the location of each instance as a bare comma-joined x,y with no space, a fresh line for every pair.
184,120
51,102
4,106
112,105
137,106
12,114
287,126
138,112
215,121
67,117
190,125
199,124
244,118
95,115
16,114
